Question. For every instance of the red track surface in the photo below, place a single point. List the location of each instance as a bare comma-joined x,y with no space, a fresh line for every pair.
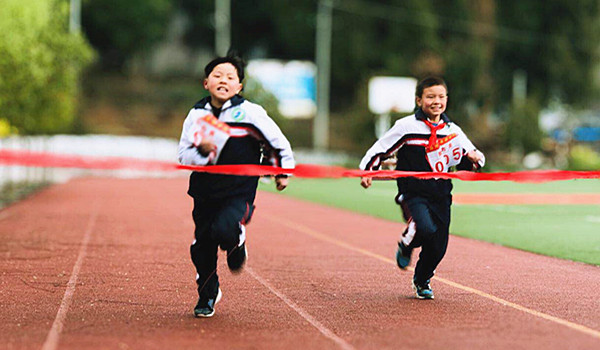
104,263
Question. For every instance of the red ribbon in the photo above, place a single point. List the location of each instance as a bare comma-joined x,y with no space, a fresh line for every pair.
38,159
433,136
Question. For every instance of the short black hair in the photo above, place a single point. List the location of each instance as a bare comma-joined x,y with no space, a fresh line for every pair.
429,82
232,58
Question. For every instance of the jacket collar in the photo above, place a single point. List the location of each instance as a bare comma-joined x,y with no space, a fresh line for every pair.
205,102
420,115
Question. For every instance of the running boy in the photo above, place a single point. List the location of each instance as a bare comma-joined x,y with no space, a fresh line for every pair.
425,141
224,128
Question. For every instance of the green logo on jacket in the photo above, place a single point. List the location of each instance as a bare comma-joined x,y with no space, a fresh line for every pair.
238,114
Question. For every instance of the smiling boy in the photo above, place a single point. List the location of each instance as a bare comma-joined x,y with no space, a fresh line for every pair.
224,128
427,141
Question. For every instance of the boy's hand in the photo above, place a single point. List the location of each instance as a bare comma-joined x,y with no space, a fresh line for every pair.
281,183
366,182
476,158
206,147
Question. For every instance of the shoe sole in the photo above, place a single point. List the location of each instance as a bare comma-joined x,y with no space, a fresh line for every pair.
204,315
219,296
421,297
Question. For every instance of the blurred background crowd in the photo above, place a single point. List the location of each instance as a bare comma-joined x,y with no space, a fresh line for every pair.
523,75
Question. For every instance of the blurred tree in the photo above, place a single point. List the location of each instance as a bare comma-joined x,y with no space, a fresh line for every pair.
371,39
259,28
121,29
200,32
555,42
522,133
477,45
40,64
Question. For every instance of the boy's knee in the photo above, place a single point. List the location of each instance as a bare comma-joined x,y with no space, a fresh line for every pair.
427,229
226,233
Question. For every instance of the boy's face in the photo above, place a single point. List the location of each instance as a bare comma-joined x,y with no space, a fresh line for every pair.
222,83
433,101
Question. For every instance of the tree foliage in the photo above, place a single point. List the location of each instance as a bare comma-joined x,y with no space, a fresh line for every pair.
39,66
522,133
121,29
477,45
555,42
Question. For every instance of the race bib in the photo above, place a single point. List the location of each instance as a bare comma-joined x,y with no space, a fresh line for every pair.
209,128
444,153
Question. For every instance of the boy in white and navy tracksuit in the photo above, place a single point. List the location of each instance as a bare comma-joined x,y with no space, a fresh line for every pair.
223,204
425,141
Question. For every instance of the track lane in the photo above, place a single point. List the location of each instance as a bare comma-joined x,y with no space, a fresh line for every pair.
552,287
136,284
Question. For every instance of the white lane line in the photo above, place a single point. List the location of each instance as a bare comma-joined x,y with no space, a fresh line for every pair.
515,209
51,342
591,218
306,230
318,325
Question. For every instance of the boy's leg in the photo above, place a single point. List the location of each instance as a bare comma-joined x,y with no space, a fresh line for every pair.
409,233
432,252
204,256
204,250
229,230
425,237
401,201
435,217
404,252
405,248
423,219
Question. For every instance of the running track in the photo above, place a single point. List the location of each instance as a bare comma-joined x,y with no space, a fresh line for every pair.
104,264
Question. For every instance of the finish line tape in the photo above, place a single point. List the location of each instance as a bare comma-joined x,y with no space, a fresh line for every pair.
49,160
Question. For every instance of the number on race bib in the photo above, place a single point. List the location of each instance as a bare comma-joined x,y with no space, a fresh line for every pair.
446,152
456,154
439,167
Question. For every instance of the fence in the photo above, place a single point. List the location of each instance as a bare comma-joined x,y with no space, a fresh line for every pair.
87,145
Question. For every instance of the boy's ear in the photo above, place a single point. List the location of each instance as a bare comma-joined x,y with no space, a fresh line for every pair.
205,84
418,101
241,88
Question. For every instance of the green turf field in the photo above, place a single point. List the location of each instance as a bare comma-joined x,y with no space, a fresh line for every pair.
565,231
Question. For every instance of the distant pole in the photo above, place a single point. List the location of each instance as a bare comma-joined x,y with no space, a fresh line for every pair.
222,26
323,58
519,88
75,16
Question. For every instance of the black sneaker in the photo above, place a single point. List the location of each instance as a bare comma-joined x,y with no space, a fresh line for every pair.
403,255
236,258
206,308
423,290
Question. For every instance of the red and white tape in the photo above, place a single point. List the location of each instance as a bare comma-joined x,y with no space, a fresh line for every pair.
49,160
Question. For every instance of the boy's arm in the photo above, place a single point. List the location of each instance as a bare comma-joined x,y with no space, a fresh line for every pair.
473,155
187,153
284,157
282,150
381,150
